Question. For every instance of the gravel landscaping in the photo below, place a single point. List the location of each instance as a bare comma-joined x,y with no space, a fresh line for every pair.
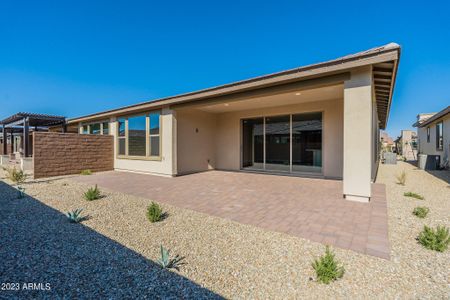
113,253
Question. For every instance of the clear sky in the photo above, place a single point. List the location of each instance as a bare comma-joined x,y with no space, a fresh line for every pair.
78,57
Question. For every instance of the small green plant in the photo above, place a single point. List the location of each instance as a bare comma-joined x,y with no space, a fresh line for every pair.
74,216
92,193
16,176
327,268
155,213
20,192
413,195
421,211
401,178
435,239
166,262
86,172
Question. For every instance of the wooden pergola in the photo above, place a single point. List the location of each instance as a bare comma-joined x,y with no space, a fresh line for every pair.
22,123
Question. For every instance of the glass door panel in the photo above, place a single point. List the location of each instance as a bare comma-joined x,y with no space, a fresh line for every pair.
253,143
278,143
307,142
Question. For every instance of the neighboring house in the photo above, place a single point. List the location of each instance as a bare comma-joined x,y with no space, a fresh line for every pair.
406,144
320,120
434,134
387,142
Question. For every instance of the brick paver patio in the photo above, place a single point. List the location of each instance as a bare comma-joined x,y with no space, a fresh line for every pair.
309,208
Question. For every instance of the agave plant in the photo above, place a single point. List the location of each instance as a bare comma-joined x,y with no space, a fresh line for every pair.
75,216
92,193
166,262
21,192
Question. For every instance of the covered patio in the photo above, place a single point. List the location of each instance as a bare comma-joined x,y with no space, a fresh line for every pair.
16,133
309,208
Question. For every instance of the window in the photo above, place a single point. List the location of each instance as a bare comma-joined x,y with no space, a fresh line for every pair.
136,136
439,136
428,134
121,136
94,128
105,128
154,134
140,136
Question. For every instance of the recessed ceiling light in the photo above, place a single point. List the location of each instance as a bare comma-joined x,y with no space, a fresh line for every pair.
298,94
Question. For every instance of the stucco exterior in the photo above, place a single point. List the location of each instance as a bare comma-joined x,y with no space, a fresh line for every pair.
167,164
358,135
228,143
203,130
430,148
196,141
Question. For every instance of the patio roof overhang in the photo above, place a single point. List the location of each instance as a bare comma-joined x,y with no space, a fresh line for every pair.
384,60
34,120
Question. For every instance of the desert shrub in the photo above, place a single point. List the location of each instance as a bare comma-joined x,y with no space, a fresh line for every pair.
74,216
421,211
155,213
435,239
413,195
86,172
166,262
327,268
92,193
16,176
401,178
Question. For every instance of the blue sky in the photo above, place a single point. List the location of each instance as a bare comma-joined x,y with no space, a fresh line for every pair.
77,57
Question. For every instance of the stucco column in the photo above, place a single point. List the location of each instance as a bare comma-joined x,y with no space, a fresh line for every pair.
358,135
169,138
112,131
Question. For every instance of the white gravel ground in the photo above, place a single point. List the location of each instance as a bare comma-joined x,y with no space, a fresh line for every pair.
110,254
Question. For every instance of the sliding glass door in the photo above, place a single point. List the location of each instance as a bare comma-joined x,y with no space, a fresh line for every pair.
277,143
253,143
307,142
288,143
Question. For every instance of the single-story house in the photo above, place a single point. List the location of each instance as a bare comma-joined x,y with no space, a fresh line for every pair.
320,120
434,134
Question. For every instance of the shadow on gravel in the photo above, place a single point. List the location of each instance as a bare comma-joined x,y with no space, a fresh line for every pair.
39,245
441,174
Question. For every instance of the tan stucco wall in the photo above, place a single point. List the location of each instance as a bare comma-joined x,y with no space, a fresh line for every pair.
228,133
375,139
358,135
195,141
430,148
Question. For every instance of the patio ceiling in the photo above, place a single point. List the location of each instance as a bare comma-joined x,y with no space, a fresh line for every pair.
289,98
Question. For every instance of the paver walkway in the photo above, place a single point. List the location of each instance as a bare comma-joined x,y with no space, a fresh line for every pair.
309,208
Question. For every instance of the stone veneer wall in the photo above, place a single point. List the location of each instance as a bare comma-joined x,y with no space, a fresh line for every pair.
56,154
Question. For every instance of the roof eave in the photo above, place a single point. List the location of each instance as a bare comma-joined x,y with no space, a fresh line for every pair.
297,74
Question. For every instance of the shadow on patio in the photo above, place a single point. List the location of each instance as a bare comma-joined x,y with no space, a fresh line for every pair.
39,245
